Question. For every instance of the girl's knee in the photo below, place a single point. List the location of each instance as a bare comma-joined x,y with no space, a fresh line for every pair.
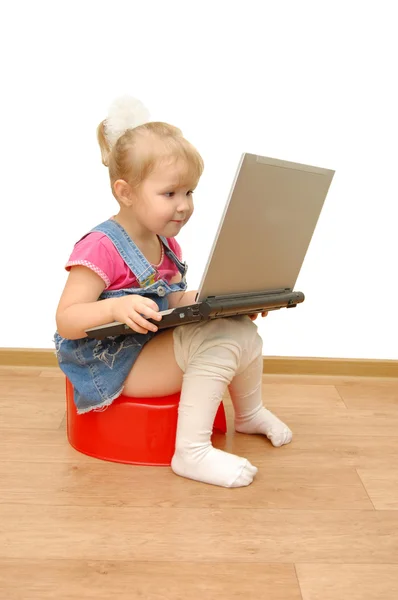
238,334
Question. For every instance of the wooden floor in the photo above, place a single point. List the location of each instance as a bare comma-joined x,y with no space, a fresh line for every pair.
320,521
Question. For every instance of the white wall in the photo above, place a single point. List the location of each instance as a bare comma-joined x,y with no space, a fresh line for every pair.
308,82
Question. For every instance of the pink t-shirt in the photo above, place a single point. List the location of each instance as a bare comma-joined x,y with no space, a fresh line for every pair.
97,252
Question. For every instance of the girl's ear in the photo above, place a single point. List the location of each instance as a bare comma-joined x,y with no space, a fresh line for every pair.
123,192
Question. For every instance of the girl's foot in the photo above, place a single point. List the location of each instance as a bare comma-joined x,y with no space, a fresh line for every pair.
210,465
265,422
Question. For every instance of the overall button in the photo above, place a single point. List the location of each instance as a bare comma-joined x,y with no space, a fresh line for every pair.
161,291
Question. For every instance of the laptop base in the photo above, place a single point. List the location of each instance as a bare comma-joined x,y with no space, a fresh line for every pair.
211,308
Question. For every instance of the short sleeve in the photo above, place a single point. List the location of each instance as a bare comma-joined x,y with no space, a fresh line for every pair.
175,247
92,252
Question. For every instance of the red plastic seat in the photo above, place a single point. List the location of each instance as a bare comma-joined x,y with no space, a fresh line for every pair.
140,431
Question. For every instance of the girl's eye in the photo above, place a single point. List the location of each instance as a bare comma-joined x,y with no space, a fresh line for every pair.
169,194
190,193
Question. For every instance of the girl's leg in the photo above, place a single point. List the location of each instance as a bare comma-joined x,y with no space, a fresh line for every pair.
250,414
155,372
210,355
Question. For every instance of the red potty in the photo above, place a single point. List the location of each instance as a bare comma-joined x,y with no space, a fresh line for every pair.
140,431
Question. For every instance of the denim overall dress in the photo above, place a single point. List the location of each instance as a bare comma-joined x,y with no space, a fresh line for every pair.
98,369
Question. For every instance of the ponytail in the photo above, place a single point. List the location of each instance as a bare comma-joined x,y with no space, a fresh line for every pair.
103,144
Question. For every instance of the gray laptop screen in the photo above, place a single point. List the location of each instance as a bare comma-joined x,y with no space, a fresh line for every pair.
266,227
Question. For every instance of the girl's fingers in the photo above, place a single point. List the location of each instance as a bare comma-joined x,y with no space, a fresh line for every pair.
150,303
142,322
150,314
133,325
149,311
255,315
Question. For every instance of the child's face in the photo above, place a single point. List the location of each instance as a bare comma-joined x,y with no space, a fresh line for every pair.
164,201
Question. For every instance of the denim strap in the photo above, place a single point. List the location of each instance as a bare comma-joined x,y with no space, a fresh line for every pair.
129,251
182,267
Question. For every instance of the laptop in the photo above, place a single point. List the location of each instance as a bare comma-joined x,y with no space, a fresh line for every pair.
260,245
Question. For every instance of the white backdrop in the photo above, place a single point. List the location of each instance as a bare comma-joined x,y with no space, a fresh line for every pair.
312,82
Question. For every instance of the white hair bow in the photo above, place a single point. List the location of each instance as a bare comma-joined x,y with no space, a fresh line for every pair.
124,113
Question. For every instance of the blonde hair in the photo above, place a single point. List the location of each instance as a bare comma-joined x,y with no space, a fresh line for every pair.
139,150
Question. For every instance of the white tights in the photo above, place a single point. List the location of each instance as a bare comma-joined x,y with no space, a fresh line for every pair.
214,355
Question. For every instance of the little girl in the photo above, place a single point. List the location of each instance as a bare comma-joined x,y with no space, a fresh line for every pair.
128,269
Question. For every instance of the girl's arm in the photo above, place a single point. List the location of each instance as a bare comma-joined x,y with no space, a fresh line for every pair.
78,308
181,298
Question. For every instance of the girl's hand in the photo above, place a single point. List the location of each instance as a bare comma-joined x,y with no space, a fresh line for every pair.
254,317
133,309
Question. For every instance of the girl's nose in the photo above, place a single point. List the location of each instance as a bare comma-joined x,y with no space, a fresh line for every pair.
184,205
